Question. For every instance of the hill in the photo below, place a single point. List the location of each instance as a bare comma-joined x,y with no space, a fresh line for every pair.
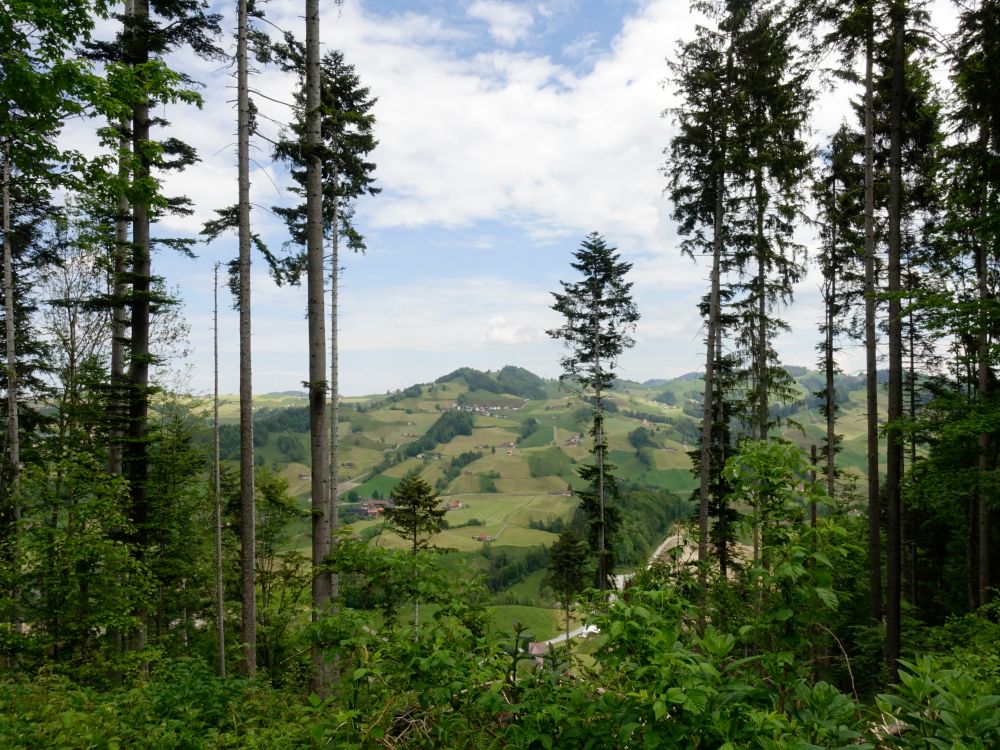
510,431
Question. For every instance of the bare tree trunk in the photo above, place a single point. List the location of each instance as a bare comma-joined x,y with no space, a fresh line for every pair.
137,458
871,360
813,461
760,355
894,443
119,316
828,364
13,433
220,609
248,535
317,339
602,560
334,510
705,468
985,396
720,416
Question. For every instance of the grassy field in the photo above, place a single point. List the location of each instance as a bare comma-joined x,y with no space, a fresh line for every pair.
506,520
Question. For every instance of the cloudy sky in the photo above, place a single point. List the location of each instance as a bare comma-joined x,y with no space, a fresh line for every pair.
507,132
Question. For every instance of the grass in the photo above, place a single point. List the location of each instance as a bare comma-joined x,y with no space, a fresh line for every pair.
381,483
528,589
541,622
506,518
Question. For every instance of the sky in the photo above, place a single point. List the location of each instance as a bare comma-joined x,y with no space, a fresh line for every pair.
507,132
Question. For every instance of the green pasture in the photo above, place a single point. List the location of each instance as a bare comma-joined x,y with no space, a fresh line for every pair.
541,622
506,518
380,482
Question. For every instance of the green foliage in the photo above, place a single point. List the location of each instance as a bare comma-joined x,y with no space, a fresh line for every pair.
78,577
666,397
567,573
414,515
520,382
488,481
515,381
640,438
937,706
477,380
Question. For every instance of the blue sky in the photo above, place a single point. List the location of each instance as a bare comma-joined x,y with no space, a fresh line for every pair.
508,131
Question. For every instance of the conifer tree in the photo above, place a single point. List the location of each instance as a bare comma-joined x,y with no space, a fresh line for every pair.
567,569
697,169
599,318
770,161
416,517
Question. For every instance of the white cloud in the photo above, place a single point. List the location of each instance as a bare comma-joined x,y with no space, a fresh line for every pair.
509,23
517,137
501,331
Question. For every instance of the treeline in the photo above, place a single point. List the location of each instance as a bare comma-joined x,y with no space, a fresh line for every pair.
515,381
447,426
455,466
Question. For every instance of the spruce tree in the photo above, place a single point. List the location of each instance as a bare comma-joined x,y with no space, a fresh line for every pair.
697,169
599,318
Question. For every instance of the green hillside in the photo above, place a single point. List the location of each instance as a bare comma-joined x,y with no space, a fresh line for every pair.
520,434
504,448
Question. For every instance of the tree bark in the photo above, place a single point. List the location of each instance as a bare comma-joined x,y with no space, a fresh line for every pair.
13,432
894,443
220,610
317,339
985,397
602,560
760,355
248,588
871,359
828,363
334,510
136,453
119,316
705,467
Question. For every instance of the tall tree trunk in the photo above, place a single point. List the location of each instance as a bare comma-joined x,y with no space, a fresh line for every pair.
894,443
985,397
828,362
761,345
13,432
722,447
137,448
317,338
871,358
602,558
220,607
705,467
119,316
248,535
334,510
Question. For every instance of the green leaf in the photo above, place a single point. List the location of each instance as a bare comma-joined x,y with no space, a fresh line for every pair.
659,709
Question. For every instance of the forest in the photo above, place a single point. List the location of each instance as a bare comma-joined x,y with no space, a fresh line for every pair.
150,593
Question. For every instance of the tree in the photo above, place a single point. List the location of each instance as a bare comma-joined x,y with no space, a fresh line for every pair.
416,517
697,168
567,569
248,562
346,140
838,194
769,161
600,317
975,205
318,385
